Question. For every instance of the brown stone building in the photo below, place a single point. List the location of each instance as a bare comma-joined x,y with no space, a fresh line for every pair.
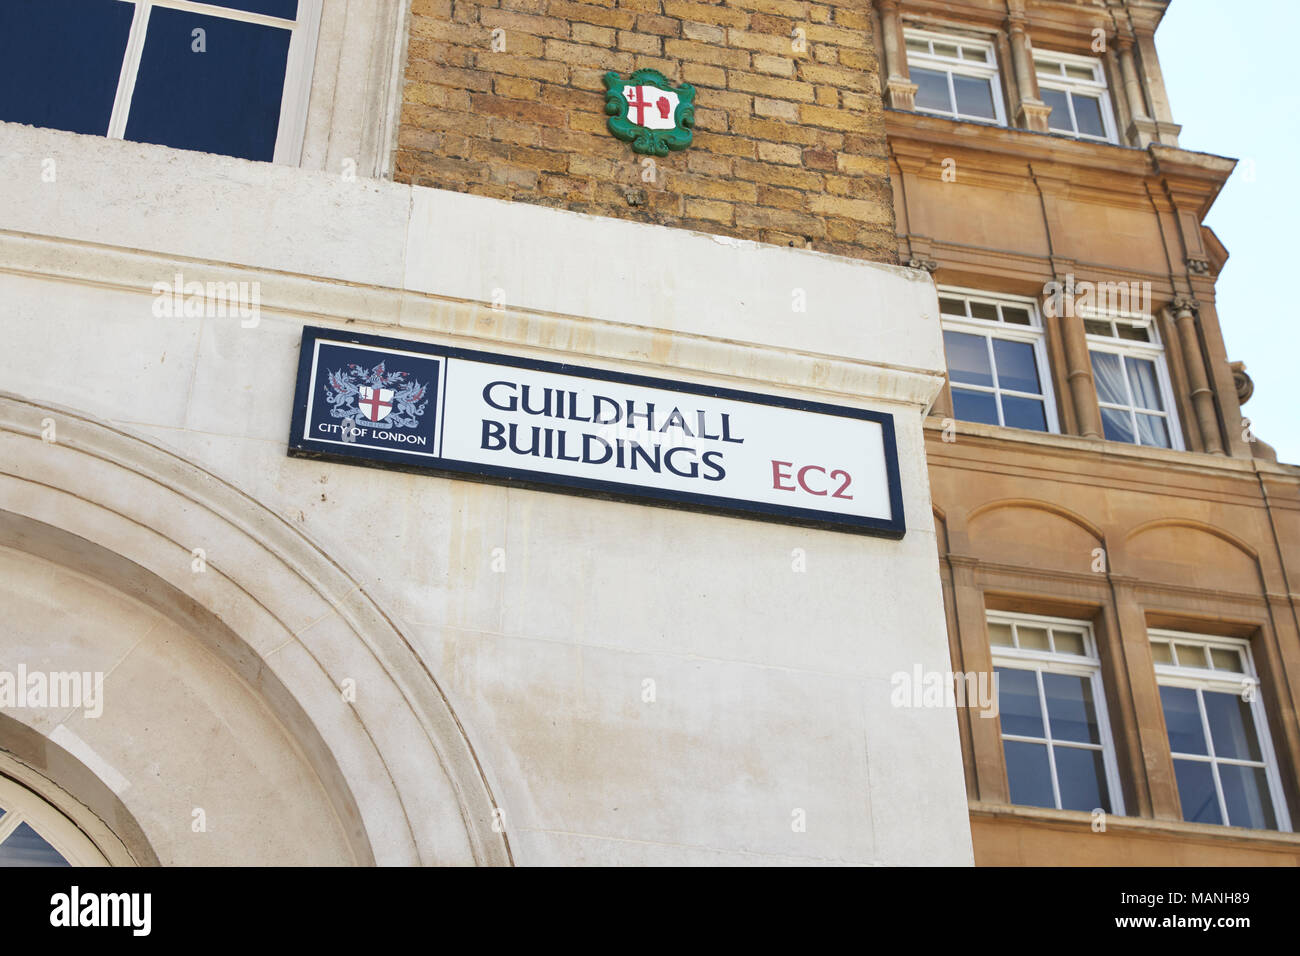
1113,538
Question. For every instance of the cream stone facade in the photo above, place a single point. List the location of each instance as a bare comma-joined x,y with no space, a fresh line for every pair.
330,664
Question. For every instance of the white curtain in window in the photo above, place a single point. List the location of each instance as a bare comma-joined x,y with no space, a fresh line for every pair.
1146,390
1108,371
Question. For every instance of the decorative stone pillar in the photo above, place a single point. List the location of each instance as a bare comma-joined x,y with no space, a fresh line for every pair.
1033,112
1143,130
1149,66
900,91
1157,787
1207,418
1078,373
972,628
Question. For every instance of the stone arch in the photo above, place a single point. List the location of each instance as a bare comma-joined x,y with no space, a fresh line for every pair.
118,518
1026,531
1191,552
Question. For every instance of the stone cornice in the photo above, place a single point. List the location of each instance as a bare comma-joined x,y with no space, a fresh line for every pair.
1003,150
477,325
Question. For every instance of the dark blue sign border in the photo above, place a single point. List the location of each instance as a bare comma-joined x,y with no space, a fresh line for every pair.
300,447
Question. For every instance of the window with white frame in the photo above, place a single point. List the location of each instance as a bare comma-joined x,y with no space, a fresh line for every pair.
222,76
33,833
997,360
1132,379
1218,735
1055,733
1075,88
954,76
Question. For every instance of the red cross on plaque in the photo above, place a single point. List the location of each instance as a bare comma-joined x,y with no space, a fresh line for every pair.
638,102
376,405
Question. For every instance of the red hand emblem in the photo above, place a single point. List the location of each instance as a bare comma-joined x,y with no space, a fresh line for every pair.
662,104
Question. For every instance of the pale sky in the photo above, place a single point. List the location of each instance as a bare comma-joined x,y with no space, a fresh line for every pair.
1227,68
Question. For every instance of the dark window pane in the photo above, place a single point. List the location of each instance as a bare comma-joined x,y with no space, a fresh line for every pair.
968,358
1087,111
974,406
952,306
1196,791
984,310
288,9
1117,425
1017,368
1023,413
1245,791
1153,431
1022,715
1016,316
224,100
1070,708
60,61
931,90
1081,777
1060,118
974,96
1232,726
1097,327
1134,333
25,847
1029,774
1183,720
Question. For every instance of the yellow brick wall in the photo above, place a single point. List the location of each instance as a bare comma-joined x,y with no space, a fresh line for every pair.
789,142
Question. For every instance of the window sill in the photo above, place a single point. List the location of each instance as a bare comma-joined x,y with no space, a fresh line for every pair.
1111,449
925,119
1172,829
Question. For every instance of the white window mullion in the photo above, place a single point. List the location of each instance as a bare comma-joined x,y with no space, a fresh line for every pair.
9,823
297,84
232,13
130,69
1132,400
997,387
1108,759
1047,735
1074,120
1214,763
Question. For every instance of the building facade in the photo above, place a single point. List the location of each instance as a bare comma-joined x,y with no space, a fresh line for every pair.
1115,541
215,652
227,642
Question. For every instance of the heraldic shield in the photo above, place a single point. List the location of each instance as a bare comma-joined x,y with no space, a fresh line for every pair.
649,112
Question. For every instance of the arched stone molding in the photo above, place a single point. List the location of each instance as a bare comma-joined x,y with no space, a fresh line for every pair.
275,608
1162,550
1034,504
1034,533
1210,529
